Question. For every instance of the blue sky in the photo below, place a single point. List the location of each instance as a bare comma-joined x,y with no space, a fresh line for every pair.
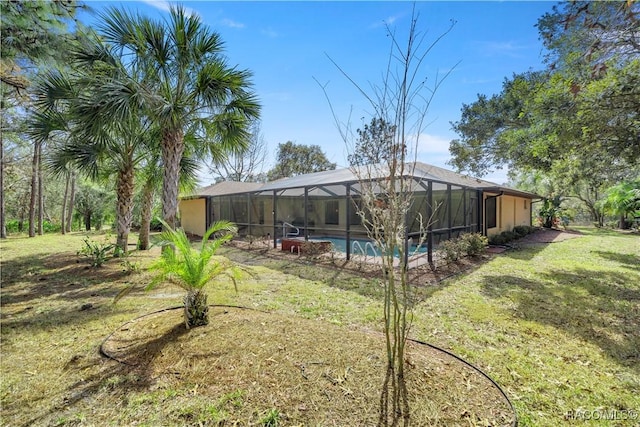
286,45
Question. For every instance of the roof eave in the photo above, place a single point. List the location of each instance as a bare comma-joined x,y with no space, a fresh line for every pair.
511,192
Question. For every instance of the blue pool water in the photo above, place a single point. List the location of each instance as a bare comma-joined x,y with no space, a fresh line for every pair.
358,246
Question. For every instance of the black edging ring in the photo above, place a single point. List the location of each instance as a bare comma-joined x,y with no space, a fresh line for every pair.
475,368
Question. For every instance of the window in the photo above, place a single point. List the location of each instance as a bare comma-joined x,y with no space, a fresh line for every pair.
332,212
490,212
354,218
525,204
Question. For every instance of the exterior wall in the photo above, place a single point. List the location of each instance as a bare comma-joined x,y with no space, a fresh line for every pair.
511,211
193,216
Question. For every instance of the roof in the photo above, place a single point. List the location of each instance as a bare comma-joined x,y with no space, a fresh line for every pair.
225,188
348,175
342,176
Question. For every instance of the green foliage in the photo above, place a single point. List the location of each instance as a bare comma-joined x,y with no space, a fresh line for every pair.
271,419
522,230
130,267
33,31
623,200
374,144
473,244
190,268
93,205
468,244
97,253
298,159
200,103
451,250
578,121
550,212
13,226
508,236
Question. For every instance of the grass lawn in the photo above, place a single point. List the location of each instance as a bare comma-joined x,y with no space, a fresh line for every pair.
556,325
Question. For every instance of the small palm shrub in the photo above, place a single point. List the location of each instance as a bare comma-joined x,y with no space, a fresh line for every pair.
192,269
96,253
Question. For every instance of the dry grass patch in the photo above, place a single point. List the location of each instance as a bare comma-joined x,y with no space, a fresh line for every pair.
245,368
309,372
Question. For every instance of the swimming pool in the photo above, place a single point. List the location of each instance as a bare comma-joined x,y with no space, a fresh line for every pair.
361,246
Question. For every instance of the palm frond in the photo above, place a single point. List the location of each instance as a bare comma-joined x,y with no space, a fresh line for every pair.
188,267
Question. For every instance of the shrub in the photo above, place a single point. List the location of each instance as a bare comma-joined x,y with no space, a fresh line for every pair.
192,269
497,240
14,226
96,252
473,244
50,227
451,250
509,235
521,230
155,224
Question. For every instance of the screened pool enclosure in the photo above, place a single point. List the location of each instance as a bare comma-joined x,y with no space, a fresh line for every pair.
325,205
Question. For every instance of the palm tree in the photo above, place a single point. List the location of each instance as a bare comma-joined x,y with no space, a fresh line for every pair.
186,87
150,174
95,143
192,269
623,200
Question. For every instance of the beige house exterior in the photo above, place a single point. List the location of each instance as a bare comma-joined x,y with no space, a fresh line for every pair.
192,218
324,205
511,210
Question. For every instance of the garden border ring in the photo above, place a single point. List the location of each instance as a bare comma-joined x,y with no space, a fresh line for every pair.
106,354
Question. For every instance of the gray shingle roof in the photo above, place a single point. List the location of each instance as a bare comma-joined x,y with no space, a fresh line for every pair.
346,175
228,187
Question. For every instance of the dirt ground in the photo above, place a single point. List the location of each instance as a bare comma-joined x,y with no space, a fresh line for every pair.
550,235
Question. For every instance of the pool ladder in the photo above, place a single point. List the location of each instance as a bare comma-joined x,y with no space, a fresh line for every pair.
364,252
295,233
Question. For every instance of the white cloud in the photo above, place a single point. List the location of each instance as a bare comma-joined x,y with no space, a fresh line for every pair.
433,149
388,21
433,144
232,24
270,32
165,6
502,48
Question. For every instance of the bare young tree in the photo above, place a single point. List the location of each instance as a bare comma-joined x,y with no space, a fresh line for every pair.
400,105
246,165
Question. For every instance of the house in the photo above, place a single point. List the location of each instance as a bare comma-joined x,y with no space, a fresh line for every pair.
324,204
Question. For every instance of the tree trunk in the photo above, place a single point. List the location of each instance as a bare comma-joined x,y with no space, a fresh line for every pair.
72,198
40,194
172,150
145,215
34,189
623,222
63,213
196,310
124,209
3,226
87,220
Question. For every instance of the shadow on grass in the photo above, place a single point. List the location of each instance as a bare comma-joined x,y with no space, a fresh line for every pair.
30,278
335,275
125,377
601,308
365,280
38,319
627,260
